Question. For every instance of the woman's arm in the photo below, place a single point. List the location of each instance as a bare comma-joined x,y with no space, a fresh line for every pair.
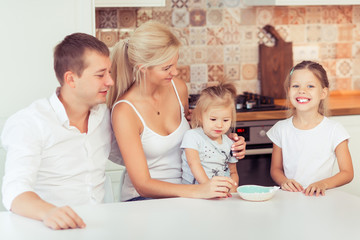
277,172
193,159
127,129
345,175
234,176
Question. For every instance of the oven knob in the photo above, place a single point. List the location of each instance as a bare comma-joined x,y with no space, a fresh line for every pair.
262,133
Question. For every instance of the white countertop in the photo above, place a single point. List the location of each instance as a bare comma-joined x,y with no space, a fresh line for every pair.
286,216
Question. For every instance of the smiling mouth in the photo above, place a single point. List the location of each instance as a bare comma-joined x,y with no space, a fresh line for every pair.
302,100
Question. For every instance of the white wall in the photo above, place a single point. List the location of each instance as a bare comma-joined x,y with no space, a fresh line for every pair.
29,31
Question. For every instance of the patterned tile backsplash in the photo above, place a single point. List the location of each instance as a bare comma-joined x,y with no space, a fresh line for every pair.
221,38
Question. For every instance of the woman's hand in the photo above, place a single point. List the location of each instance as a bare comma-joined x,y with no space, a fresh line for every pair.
316,188
292,186
217,187
238,147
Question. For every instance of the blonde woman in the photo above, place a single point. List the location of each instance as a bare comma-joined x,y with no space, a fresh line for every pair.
149,106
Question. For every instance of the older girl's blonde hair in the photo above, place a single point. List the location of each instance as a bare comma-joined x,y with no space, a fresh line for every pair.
222,95
151,44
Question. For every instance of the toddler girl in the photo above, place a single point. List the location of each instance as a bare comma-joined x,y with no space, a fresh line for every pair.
307,145
206,147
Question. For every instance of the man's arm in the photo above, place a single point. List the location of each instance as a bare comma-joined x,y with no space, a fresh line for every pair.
29,204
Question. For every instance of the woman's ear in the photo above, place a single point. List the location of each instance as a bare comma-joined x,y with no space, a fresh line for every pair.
69,79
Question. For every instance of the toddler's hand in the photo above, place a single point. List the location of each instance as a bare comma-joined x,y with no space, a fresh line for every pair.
315,188
292,186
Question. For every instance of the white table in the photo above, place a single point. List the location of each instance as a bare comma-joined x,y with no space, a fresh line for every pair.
286,216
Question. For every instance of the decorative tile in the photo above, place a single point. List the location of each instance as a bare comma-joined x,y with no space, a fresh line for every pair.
356,51
249,53
345,32
327,51
182,34
356,36
356,69
215,54
125,33
329,14
215,35
296,15
197,17
232,17
232,71
248,35
232,35
264,15
232,54
330,67
199,54
196,88
284,32
343,68
356,14
197,3
180,17
107,18
214,3
198,73
249,71
313,15
332,83
127,18
345,14
343,50
329,33
184,73
179,4
162,15
109,36
214,17
143,15
185,54
248,86
231,3
265,38
313,33
306,52
297,33
281,15
247,16
356,83
343,84
198,35
216,73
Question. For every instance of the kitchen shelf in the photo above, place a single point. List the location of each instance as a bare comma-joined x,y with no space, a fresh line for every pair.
299,2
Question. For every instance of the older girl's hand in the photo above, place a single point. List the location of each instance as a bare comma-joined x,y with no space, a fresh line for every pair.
291,185
238,148
315,188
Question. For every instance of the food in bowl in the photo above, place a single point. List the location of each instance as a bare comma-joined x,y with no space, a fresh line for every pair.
256,193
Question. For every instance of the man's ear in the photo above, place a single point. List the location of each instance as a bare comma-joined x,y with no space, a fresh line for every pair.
69,79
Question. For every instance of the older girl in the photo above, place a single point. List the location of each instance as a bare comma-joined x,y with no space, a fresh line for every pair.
308,144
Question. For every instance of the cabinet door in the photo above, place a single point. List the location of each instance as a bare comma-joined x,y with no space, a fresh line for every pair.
351,124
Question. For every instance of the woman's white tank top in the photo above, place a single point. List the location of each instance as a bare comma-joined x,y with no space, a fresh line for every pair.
163,153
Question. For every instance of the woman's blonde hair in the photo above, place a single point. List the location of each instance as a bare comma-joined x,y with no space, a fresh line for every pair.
320,73
151,44
222,95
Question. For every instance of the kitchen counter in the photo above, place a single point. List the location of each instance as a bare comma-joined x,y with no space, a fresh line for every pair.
340,103
287,215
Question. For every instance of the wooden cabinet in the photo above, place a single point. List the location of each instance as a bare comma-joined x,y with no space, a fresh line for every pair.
351,124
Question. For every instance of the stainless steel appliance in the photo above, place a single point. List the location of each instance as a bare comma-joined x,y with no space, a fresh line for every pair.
255,167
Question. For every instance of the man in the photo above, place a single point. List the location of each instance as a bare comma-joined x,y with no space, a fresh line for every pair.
57,148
